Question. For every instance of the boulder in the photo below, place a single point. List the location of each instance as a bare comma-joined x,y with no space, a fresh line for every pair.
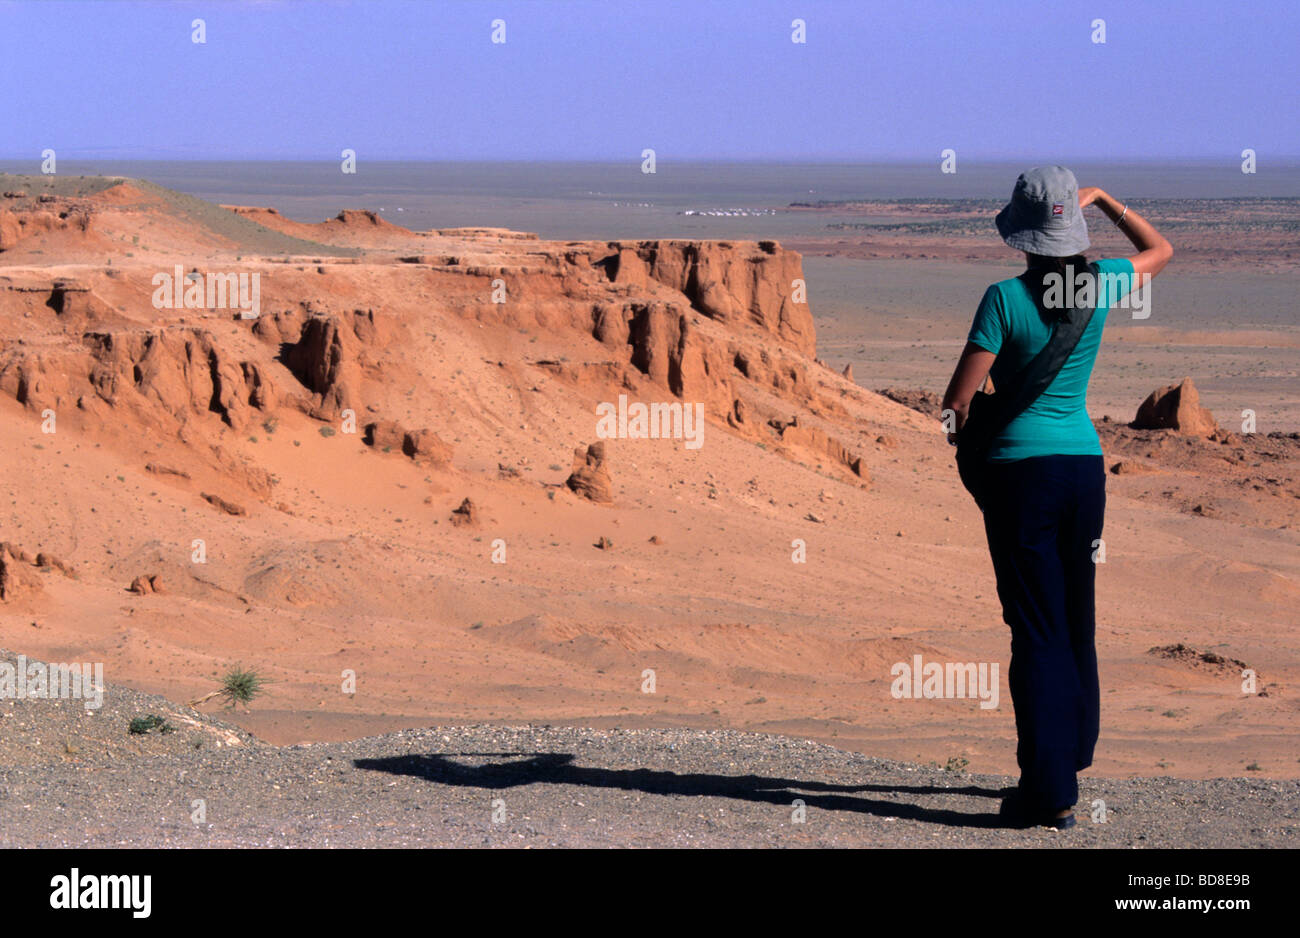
421,446
1175,407
466,514
590,476
144,585
425,446
384,435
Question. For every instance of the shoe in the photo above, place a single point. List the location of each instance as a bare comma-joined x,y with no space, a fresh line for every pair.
1061,823
1019,815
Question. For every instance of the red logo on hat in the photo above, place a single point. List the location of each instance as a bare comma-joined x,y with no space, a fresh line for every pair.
1058,208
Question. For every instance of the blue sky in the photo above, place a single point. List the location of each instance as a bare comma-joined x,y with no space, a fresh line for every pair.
419,79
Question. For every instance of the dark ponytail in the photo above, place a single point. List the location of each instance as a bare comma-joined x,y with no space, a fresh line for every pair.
1042,266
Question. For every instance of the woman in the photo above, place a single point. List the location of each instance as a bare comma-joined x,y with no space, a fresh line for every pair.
1045,482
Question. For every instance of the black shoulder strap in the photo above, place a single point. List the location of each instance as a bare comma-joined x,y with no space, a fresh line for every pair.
1042,369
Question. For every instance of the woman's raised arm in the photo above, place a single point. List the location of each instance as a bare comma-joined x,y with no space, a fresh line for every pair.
1154,251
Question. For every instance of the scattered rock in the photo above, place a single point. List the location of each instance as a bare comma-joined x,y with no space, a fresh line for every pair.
466,514
159,469
49,560
736,416
1198,659
1128,467
229,508
145,585
821,443
16,552
924,402
604,543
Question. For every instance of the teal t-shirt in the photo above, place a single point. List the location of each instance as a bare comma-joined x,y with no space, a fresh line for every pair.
1009,324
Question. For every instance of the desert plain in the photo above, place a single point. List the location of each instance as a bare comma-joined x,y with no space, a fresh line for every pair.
381,491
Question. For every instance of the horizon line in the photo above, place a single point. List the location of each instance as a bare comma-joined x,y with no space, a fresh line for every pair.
810,161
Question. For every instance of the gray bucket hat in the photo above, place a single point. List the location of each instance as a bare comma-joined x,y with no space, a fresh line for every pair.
1043,216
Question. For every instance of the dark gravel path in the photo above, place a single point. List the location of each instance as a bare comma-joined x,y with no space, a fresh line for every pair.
69,778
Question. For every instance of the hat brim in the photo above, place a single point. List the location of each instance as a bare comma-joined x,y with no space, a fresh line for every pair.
1024,236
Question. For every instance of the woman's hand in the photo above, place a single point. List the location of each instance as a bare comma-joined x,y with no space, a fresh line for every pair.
967,378
1088,195
1154,251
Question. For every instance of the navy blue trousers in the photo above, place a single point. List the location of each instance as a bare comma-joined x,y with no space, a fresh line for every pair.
1042,517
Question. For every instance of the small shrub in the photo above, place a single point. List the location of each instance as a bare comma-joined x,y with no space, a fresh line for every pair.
238,686
142,725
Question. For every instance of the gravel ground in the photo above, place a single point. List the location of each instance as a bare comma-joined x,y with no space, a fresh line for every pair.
72,777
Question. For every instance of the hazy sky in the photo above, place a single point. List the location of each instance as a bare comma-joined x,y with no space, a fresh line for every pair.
421,79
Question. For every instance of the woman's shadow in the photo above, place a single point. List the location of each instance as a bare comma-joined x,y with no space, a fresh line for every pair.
524,768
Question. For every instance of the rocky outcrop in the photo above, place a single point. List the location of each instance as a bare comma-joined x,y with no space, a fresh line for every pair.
75,302
384,435
426,447
327,356
590,476
421,446
17,578
324,360
731,282
819,442
183,371
221,504
47,560
11,231
1175,407
465,515
724,324
17,226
